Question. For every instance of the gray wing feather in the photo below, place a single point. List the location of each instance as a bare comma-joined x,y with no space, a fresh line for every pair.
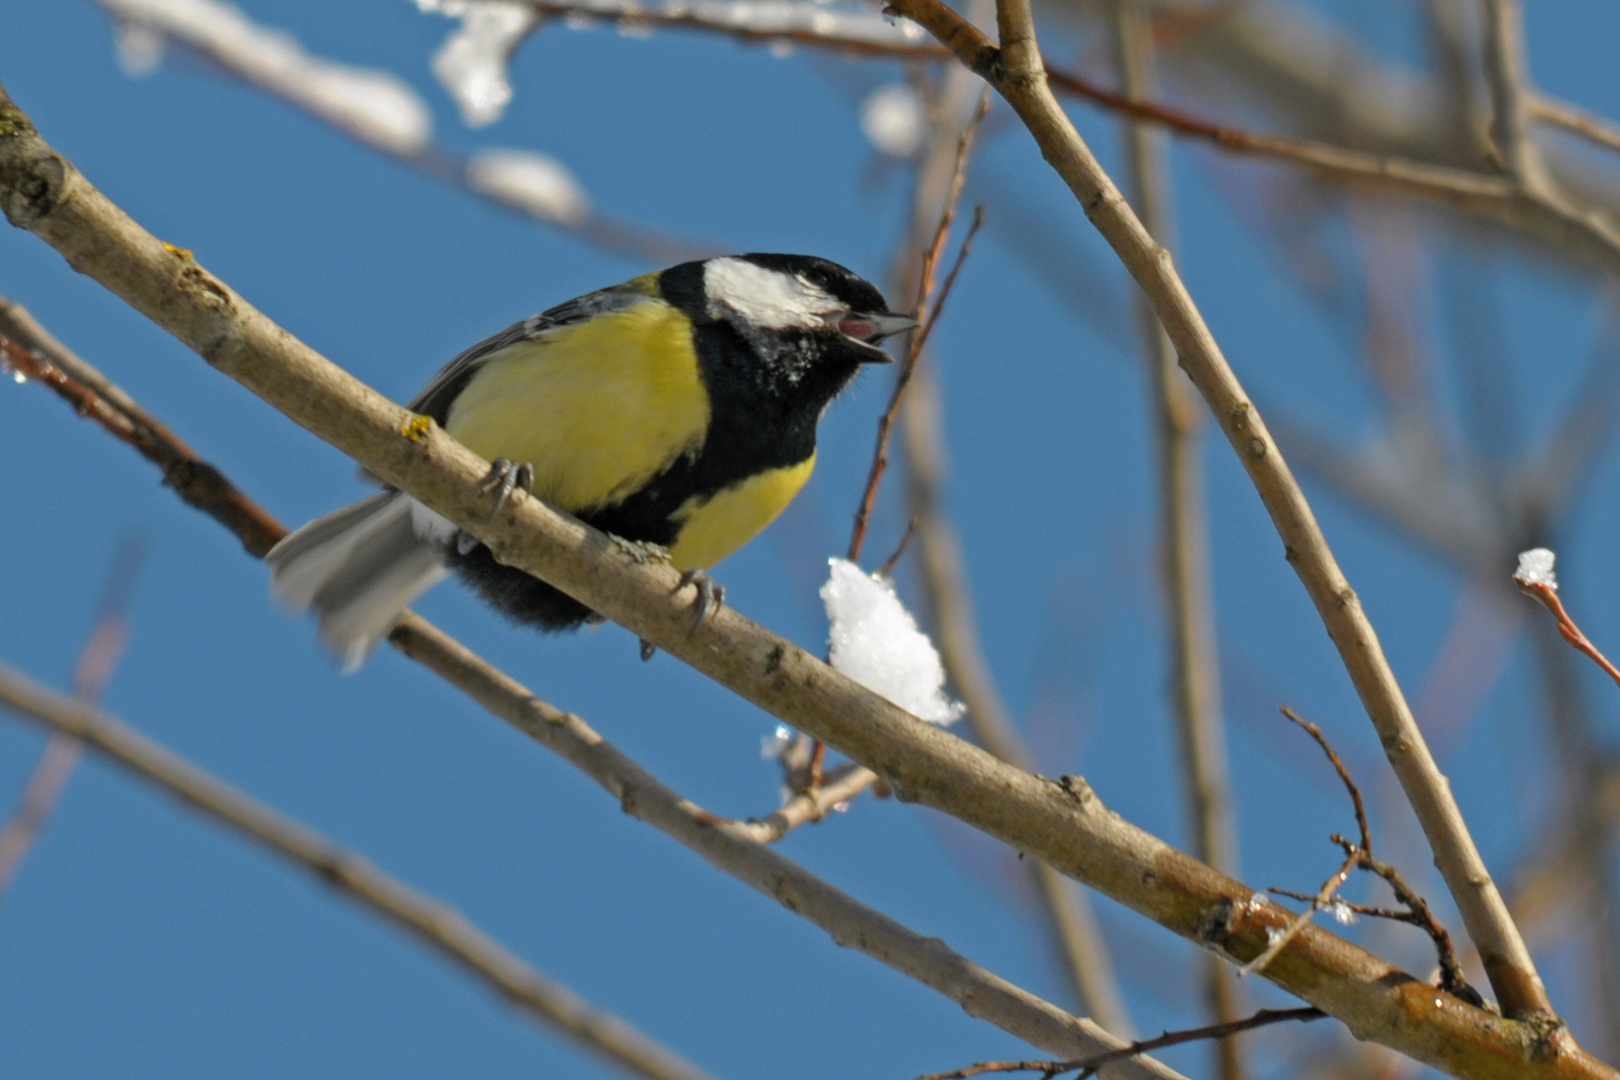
360,567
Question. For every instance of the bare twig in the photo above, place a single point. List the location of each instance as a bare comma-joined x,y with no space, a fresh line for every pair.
28,349
427,159
1360,855
1590,126
811,802
927,314
1014,70
95,665
1510,93
887,569
1183,532
1059,822
1076,939
430,921
1547,593
736,848
1087,1067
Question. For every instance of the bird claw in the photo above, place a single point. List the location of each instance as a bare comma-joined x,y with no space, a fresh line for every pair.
647,649
504,478
711,595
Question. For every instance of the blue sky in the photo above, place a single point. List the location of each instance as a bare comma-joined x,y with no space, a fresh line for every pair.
141,941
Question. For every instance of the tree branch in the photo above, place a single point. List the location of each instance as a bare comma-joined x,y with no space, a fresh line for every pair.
1061,822
735,848
430,921
1023,85
1183,533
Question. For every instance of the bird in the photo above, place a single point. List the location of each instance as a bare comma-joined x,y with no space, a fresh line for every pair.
678,409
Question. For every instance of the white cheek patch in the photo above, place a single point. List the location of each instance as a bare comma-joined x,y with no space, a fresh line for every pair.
766,298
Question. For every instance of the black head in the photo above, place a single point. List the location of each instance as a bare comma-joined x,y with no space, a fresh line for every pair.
811,323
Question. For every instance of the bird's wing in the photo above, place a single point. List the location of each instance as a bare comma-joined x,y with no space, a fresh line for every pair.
441,391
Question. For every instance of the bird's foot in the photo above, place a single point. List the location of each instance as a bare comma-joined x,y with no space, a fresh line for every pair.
504,478
711,595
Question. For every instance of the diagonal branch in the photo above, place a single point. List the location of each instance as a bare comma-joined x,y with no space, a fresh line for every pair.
430,921
1059,821
735,848
1015,72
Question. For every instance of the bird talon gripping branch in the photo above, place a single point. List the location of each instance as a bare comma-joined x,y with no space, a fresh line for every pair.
504,478
711,595
677,411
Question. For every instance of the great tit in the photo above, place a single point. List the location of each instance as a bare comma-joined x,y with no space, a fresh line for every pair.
676,409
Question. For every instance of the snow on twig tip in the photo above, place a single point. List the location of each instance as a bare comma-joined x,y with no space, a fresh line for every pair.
373,106
530,182
471,64
875,641
1536,568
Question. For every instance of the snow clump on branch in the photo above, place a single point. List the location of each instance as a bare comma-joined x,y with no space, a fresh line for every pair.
1536,568
472,62
875,641
373,106
529,182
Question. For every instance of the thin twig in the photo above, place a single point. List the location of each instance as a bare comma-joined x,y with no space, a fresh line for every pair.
732,847
1417,912
27,349
1590,126
1015,71
926,317
98,658
1088,1067
430,921
1280,940
887,569
1547,593
1184,532
1071,924
429,160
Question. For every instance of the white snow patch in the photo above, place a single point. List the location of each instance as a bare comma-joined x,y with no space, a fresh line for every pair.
471,64
1536,568
1341,911
371,105
530,182
875,641
893,119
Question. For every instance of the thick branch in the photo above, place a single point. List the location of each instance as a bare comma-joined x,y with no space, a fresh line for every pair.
736,849
1061,822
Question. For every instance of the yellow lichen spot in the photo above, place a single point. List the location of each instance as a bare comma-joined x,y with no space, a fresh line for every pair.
416,427
184,253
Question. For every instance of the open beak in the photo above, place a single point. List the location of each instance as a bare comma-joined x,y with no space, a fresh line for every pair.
871,329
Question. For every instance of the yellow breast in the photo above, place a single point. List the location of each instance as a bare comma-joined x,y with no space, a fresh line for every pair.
714,527
598,408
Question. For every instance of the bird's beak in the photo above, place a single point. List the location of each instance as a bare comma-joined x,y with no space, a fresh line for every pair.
888,324
871,329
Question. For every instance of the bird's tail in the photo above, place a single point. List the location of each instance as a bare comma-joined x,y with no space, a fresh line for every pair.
359,567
